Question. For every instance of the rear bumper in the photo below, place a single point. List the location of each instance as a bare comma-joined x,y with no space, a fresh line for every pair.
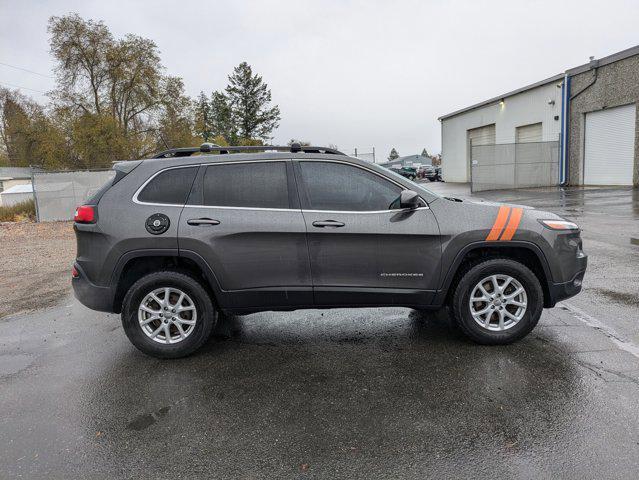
562,291
90,295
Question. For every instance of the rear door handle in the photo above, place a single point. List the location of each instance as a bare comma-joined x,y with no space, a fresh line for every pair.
203,221
328,223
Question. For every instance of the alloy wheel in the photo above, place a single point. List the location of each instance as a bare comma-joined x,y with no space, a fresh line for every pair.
167,315
498,302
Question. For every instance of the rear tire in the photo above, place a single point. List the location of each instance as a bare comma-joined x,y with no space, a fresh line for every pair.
168,314
487,329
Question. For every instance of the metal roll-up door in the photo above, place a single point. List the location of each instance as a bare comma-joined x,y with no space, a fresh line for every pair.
609,146
528,133
482,135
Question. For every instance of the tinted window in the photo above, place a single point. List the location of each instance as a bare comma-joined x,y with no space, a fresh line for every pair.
336,186
257,185
170,186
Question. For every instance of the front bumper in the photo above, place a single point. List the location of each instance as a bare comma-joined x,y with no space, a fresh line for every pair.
90,295
561,291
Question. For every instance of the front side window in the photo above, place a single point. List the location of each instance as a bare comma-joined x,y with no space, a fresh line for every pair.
341,187
250,185
171,186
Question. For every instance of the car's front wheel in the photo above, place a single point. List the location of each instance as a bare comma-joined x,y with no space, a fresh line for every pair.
168,314
497,301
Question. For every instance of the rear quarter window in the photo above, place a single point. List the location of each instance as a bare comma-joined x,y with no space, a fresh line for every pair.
169,187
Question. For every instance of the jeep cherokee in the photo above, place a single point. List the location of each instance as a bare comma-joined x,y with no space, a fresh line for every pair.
174,241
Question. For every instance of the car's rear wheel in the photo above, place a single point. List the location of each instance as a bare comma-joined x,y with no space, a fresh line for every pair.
168,314
497,301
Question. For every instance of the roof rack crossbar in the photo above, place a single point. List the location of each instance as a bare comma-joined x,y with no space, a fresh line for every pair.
209,147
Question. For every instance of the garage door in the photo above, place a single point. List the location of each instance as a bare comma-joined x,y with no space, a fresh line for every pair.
609,147
528,133
478,136
482,135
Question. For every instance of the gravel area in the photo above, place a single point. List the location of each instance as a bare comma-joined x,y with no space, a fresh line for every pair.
35,270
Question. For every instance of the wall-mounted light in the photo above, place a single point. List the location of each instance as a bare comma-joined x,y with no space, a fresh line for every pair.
502,104
551,101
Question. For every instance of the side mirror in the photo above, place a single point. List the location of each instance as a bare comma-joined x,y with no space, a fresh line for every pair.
409,199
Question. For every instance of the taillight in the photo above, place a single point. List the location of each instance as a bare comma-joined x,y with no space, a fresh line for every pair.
74,272
85,214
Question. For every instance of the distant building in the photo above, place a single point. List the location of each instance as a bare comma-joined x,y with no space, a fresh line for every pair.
12,176
16,194
590,111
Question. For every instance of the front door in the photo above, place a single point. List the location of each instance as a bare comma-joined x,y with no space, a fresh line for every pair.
363,248
244,219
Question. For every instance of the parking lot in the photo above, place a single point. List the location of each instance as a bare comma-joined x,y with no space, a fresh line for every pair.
367,393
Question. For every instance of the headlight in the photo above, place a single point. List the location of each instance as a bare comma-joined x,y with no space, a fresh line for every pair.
559,225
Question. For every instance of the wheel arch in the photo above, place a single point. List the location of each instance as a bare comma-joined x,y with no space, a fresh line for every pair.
526,253
135,264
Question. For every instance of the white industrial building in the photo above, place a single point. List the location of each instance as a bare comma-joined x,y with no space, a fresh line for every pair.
529,114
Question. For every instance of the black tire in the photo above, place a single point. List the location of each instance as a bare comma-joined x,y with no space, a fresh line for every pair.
471,276
205,320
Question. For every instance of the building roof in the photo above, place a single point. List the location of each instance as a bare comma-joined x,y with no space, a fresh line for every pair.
615,57
496,99
10,173
26,188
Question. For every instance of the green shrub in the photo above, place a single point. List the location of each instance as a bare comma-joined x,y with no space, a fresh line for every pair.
18,212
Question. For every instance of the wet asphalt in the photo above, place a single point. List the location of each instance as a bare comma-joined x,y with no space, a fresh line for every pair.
365,393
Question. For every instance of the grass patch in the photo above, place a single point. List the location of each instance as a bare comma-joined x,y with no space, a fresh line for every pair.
19,212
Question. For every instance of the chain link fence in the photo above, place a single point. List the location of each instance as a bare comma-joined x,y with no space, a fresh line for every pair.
57,194
514,165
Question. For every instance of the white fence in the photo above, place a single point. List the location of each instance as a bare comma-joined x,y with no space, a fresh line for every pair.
57,194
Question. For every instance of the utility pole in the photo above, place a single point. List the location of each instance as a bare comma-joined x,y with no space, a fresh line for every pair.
355,152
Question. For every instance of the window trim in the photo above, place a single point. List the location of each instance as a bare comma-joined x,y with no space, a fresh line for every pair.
298,183
207,164
303,190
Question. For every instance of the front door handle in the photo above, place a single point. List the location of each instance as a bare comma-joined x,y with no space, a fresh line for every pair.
328,223
202,221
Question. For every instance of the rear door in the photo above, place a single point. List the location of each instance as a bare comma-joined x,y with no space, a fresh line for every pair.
244,219
362,249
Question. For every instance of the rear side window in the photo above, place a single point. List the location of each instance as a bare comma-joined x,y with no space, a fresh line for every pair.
340,187
169,187
251,185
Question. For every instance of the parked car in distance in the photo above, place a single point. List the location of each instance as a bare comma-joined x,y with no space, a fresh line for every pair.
408,172
174,241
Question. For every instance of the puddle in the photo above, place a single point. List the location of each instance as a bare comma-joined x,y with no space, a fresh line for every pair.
629,299
142,422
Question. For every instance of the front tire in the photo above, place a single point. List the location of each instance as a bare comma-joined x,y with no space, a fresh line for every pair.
497,301
168,314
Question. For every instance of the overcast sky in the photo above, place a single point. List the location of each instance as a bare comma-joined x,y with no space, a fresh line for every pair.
353,73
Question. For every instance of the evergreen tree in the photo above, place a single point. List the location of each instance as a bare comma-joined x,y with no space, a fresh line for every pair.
203,117
222,121
249,99
393,154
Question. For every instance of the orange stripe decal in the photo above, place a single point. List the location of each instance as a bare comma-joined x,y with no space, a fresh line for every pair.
500,221
513,224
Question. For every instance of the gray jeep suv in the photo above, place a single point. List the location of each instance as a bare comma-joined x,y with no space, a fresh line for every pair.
173,241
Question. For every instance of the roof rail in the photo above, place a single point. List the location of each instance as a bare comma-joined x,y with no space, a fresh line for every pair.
211,147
